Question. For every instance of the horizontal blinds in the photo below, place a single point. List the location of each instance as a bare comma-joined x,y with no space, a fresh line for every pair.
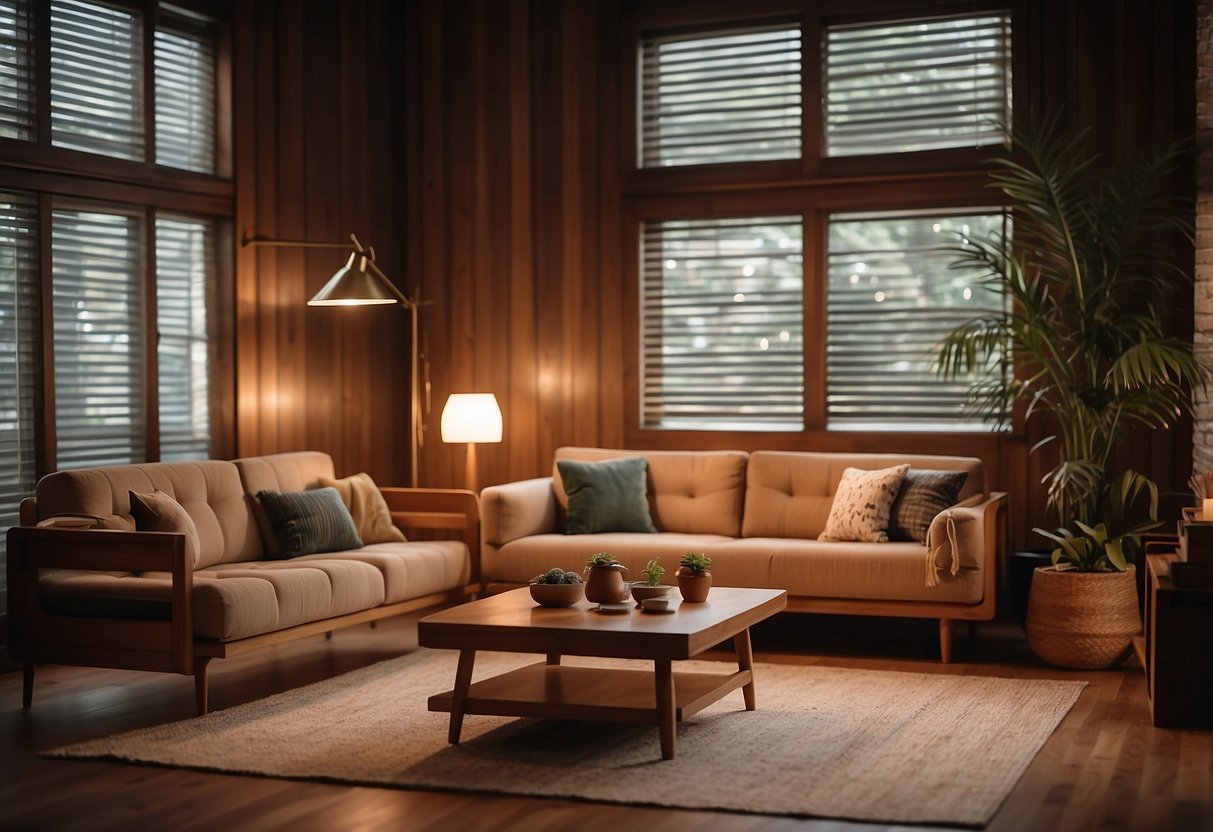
723,332
917,85
185,97
19,341
97,79
726,96
184,263
98,344
891,299
16,70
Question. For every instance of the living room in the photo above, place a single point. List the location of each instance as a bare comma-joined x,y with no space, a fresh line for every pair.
503,162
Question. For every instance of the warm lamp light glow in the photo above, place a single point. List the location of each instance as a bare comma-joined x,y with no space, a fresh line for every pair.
471,417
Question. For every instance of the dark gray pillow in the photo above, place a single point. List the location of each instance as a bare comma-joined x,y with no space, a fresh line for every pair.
608,496
305,522
924,493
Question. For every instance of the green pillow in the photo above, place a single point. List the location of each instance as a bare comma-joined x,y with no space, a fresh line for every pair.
607,496
305,522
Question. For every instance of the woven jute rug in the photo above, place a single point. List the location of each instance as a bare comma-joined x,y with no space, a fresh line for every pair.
825,742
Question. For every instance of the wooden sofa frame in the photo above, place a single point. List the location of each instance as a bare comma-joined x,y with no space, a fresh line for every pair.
37,636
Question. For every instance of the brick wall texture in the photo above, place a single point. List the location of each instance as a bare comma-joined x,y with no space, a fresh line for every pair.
1202,438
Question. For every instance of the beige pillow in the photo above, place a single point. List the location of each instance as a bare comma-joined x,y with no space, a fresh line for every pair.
372,517
158,512
862,503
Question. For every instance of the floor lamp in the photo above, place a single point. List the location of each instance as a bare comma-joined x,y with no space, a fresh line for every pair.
471,418
361,283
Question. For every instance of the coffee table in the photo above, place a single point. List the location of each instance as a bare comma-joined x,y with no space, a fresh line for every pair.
512,622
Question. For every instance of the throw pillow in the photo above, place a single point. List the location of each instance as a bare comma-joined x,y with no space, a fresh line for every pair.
924,493
607,496
372,517
158,512
862,503
306,522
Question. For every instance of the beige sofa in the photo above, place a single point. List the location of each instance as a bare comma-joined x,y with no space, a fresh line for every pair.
757,515
134,600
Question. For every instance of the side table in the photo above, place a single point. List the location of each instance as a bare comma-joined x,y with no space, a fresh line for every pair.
1178,649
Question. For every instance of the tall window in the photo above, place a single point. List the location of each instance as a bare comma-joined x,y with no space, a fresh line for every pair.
16,70
723,334
185,95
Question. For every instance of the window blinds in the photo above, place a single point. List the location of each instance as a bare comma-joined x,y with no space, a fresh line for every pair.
16,70
184,263
185,97
891,299
917,85
97,310
726,96
723,335
97,79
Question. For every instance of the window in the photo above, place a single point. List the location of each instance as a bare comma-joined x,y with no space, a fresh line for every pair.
724,96
891,298
722,324
185,95
919,85
184,268
16,70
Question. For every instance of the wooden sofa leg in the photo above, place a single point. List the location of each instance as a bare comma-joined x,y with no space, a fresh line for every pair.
27,685
945,640
200,663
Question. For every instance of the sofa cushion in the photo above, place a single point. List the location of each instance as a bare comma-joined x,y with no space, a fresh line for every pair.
158,512
924,493
411,569
861,506
293,471
521,560
690,492
210,491
305,522
606,496
370,511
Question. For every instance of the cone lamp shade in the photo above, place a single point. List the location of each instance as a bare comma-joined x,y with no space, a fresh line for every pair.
358,283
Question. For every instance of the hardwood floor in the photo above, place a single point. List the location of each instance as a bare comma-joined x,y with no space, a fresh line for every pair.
1104,768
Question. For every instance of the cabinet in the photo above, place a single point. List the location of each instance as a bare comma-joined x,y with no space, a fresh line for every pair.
1178,648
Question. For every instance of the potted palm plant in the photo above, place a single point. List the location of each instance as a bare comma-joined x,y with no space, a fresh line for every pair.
1083,345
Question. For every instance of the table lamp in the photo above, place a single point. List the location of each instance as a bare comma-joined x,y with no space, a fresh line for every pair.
471,418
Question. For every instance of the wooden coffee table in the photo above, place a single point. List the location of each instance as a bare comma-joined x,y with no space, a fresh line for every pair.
512,622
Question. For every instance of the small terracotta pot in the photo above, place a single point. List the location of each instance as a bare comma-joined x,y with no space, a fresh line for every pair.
604,585
640,591
694,585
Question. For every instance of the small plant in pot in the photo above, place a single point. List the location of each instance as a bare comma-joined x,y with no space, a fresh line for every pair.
557,588
694,579
651,586
604,579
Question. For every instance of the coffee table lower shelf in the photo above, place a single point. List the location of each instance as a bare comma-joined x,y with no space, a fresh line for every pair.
554,691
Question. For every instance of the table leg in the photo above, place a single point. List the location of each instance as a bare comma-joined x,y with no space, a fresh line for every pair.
553,658
745,661
663,672
459,696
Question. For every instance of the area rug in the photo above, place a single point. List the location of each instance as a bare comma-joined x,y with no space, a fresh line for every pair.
824,742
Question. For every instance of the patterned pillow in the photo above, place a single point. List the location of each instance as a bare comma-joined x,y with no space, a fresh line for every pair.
305,522
370,511
158,512
862,503
924,493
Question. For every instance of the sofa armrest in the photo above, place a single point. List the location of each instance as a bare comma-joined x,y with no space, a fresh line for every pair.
518,509
438,508
32,549
969,535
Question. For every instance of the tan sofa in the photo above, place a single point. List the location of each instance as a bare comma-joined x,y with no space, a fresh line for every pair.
134,600
757,515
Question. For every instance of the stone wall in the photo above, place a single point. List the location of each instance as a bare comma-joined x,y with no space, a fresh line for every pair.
1202,436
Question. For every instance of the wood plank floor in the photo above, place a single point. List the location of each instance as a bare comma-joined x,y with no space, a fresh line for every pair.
1104,768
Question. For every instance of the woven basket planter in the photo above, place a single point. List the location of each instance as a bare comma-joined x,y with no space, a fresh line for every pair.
1083,620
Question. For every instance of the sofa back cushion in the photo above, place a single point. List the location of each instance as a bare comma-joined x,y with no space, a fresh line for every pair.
208,490
293,471
690,492
789,494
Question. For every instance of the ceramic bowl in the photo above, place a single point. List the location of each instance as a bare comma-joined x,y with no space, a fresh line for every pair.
640,591
557,595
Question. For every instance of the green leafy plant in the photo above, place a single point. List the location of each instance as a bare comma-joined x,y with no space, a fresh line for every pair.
695,561
603,559
1096,549
1082,344
653,570
556,575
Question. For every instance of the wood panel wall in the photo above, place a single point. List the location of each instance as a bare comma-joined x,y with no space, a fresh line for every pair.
484,143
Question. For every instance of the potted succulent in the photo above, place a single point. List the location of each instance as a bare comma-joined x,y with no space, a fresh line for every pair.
557,588
694,579
651,586
1081,344
604,579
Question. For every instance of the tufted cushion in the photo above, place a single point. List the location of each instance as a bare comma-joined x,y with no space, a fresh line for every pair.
690,492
